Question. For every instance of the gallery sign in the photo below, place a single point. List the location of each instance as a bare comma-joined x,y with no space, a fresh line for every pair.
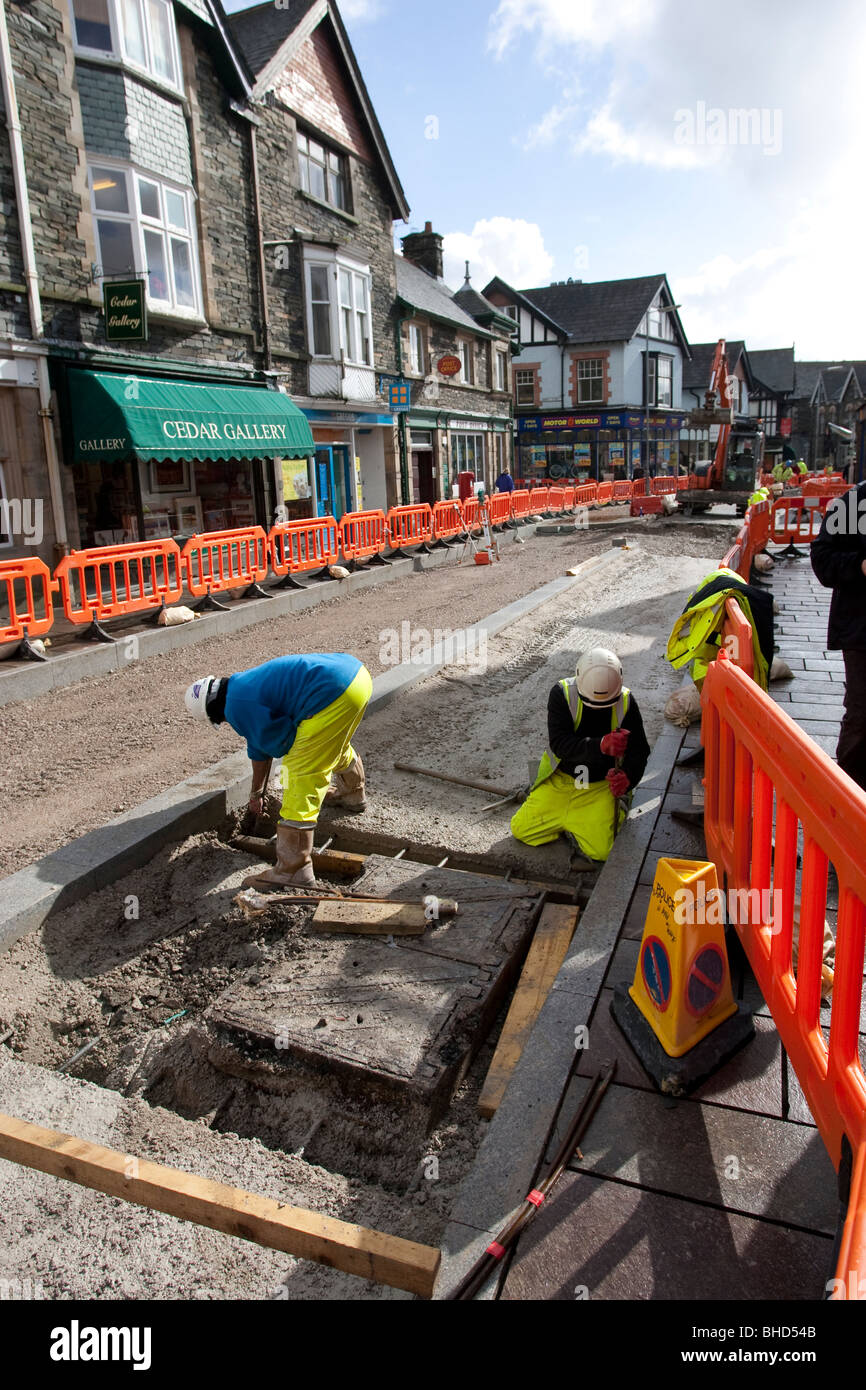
125,311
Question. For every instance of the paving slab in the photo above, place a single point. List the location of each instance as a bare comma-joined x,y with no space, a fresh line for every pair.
601,1240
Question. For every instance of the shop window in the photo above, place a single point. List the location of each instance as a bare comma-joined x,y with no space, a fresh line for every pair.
139,32
145,227
323,172
338,308
467,455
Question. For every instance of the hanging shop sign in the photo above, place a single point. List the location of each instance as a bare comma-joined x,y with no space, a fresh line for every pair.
399,395
449,365
125,311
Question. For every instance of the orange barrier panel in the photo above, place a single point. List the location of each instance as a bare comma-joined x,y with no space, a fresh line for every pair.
412,525
683,482
796,519
363,535
471,509
585,494
757,759
301,547
519,504
538,501
638,487
739,558
499,508
28,597
556,499
660,486
112,581
447,521
604,494
737,638
568,498
221,560
825,487
622,491
758,519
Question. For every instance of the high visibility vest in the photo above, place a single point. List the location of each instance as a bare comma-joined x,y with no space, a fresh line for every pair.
549,761
697,633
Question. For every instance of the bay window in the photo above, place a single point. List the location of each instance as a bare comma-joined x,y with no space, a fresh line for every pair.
660,380
139,32
146,227
339,317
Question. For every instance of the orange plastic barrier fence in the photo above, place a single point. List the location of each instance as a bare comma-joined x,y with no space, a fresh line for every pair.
362,534
825,487
519,504
221,560
585,494
499,508
660,486
538,500
797,519
568,498
683,482
622,491
26,587
604,494
638,487
412,525
111,581
471,509
757,757
737,558
447,520
737,638
556,499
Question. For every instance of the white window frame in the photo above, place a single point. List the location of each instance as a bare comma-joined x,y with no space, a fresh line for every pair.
500,369
466,353
586,377
118,50
330,154
524,385
668,378
459,450
139,223
344,345
417,355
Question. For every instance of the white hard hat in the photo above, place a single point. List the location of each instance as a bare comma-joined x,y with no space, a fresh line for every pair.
599,677
195,698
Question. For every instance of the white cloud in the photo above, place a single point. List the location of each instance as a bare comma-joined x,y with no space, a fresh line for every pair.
544,131
360,11
504,246
554,22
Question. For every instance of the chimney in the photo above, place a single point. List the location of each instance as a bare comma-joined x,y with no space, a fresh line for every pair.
424,249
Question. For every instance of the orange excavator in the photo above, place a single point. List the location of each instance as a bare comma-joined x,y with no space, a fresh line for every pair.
732,475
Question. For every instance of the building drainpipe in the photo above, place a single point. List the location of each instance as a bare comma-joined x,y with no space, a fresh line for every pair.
401,416
31,279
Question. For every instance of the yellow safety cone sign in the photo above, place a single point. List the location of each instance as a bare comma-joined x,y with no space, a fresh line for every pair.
679,1014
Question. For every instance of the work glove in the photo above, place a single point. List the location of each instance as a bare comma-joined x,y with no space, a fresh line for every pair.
618,781
615,745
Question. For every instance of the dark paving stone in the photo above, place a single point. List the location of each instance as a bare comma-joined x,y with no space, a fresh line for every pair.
674,840
752,1164
823,713
618,1242
635,919
623,962
606,1043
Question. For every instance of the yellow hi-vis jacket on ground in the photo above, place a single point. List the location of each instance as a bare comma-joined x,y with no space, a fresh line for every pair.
559,803
697,633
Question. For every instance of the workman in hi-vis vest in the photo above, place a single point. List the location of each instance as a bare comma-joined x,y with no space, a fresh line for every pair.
597,755
304,710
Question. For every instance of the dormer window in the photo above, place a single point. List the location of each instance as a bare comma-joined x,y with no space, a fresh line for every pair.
139,32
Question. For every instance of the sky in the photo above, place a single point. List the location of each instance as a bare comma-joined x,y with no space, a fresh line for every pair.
719,144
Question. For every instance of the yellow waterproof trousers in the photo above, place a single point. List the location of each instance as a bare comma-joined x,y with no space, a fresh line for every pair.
558,806
322,747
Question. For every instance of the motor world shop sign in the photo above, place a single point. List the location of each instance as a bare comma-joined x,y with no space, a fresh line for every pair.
125,311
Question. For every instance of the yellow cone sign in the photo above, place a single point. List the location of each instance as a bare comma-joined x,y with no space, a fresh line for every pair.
682,983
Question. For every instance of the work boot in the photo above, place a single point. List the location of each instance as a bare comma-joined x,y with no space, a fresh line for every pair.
294,866
347,789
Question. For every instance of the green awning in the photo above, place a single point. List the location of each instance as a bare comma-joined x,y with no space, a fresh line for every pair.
117,417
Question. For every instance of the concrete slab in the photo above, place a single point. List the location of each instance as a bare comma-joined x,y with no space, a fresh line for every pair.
604,1240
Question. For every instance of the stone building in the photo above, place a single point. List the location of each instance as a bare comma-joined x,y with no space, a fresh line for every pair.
234,172
455,351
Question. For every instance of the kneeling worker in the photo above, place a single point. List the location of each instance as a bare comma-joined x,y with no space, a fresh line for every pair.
303,709
598,753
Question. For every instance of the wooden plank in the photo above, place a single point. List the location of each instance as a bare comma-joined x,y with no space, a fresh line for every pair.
327,861
546,954
401,1264
369,919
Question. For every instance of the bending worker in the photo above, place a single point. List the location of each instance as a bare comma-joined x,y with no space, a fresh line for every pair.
304,710
598,753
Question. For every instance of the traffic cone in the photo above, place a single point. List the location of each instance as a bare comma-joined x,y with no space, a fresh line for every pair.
679,1015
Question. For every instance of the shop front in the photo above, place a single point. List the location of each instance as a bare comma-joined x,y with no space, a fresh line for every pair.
349,472
442,446
605,447
156,458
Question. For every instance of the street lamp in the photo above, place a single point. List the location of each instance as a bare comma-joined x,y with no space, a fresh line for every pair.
661,309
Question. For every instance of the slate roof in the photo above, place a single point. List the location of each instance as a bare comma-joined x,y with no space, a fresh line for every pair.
262,29
696,374
431,296
807,374
774,367
605,309
481,309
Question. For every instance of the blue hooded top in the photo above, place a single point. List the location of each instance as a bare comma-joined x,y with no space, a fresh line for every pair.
266,705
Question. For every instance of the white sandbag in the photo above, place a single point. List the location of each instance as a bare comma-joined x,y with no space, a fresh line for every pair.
684,707
780,670
338,572
669,504
763,563
172,617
